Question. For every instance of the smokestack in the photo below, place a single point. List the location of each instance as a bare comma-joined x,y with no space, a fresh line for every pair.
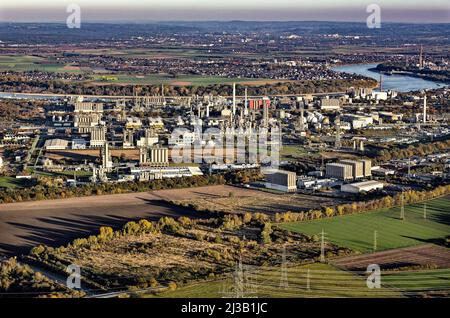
234,99
425,109
245,102
421,57
381,82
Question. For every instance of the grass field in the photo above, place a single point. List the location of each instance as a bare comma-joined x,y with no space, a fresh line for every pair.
418,281
356,231
181,80
30,63
324,281
295,151
11,182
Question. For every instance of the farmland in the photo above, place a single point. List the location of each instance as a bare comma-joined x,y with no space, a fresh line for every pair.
311,281
180,80
424,281
239,200
357,231
32,63
422,256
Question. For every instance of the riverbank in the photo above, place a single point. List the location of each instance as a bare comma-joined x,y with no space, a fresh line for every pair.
396,82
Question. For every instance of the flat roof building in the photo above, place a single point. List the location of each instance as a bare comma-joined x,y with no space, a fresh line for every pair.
367,167
56,144
285,181
339,171
364,186
357,168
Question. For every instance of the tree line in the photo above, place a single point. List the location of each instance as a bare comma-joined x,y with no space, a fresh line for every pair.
280,88
421,149
58,191
409,197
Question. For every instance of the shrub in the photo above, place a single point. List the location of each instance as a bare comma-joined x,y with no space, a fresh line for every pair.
106,234
38,250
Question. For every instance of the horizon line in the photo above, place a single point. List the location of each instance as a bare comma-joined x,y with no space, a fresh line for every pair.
221,21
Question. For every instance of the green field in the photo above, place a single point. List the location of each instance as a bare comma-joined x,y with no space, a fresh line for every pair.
181,80
29,63
295,151
356,231
12,182
324,281
418,281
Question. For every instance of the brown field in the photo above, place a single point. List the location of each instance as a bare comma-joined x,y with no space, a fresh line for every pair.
180,83
71,68
91,154
56,222
239,200
422,255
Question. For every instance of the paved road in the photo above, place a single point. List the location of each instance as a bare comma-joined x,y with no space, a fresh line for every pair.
56,222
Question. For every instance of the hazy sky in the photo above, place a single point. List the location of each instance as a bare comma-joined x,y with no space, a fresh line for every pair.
151,10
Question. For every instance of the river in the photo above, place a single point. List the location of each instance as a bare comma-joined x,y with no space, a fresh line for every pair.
396,82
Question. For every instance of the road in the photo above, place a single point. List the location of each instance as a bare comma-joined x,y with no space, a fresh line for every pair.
57,222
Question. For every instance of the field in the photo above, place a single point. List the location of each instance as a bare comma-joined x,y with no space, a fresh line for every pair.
357,231
424,281
245,200
11,182
26,224
31,63
423,256
324,281
181,80
174,252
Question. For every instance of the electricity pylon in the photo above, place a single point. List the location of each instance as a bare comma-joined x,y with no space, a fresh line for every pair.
375,238
322,247
402,209
284,277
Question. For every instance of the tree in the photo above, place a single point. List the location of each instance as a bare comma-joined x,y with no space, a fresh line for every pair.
329,212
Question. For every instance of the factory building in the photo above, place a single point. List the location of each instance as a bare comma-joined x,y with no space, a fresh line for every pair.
84,107
79,143
367,167
359,187
159,156
330,104
258,103
86,122
339,171
357,168
98,136
56,144
285,181
150,173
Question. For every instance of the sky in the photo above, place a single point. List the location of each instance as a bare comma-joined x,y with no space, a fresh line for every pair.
417,11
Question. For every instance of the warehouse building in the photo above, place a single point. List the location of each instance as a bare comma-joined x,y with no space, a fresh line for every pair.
285,181
56,144
367,167
359,187
330,104
339,171
357,168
